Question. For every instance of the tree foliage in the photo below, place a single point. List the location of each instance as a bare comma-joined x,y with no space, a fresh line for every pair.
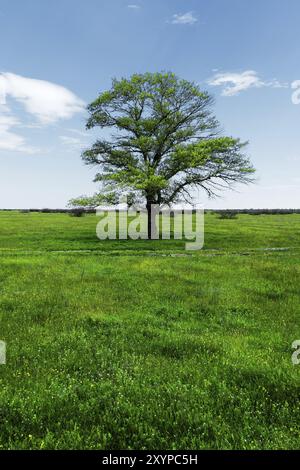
165,142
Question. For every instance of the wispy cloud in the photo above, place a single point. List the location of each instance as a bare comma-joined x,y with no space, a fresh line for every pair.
78,132
73,143
133,6
234,83
9,140
70,140
47,102
185,18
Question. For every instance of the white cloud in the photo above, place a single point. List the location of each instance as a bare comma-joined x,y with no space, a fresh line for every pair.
67,140
78,132
134,7
276,84
10,140
46,101
73,143
234,83
185,18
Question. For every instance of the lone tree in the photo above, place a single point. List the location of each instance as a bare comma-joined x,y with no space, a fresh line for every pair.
166,143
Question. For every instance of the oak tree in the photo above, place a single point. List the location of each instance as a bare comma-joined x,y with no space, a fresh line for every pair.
164,143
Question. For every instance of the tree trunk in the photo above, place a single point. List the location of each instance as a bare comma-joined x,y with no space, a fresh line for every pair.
151,223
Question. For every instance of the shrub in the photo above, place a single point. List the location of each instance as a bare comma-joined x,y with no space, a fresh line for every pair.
228,215
77,212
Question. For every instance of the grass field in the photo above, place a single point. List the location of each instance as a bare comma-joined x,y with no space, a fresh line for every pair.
141,345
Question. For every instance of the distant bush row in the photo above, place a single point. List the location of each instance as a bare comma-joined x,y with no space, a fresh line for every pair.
256,211
54,211
222,212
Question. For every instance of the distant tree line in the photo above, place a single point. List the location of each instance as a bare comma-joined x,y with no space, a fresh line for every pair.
257,211
87,210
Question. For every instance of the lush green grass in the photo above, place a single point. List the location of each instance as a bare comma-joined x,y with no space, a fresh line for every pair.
51,232
111,347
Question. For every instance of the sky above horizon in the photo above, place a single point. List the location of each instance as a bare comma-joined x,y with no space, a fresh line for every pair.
57,56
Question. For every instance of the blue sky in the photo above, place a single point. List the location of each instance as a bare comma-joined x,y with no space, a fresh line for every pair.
57,55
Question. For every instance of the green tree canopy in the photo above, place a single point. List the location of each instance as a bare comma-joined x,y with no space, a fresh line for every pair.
165,142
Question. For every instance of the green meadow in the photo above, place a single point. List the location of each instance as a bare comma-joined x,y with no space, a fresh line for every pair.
143,345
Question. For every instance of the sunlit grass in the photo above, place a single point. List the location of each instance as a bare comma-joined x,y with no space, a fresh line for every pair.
116,348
